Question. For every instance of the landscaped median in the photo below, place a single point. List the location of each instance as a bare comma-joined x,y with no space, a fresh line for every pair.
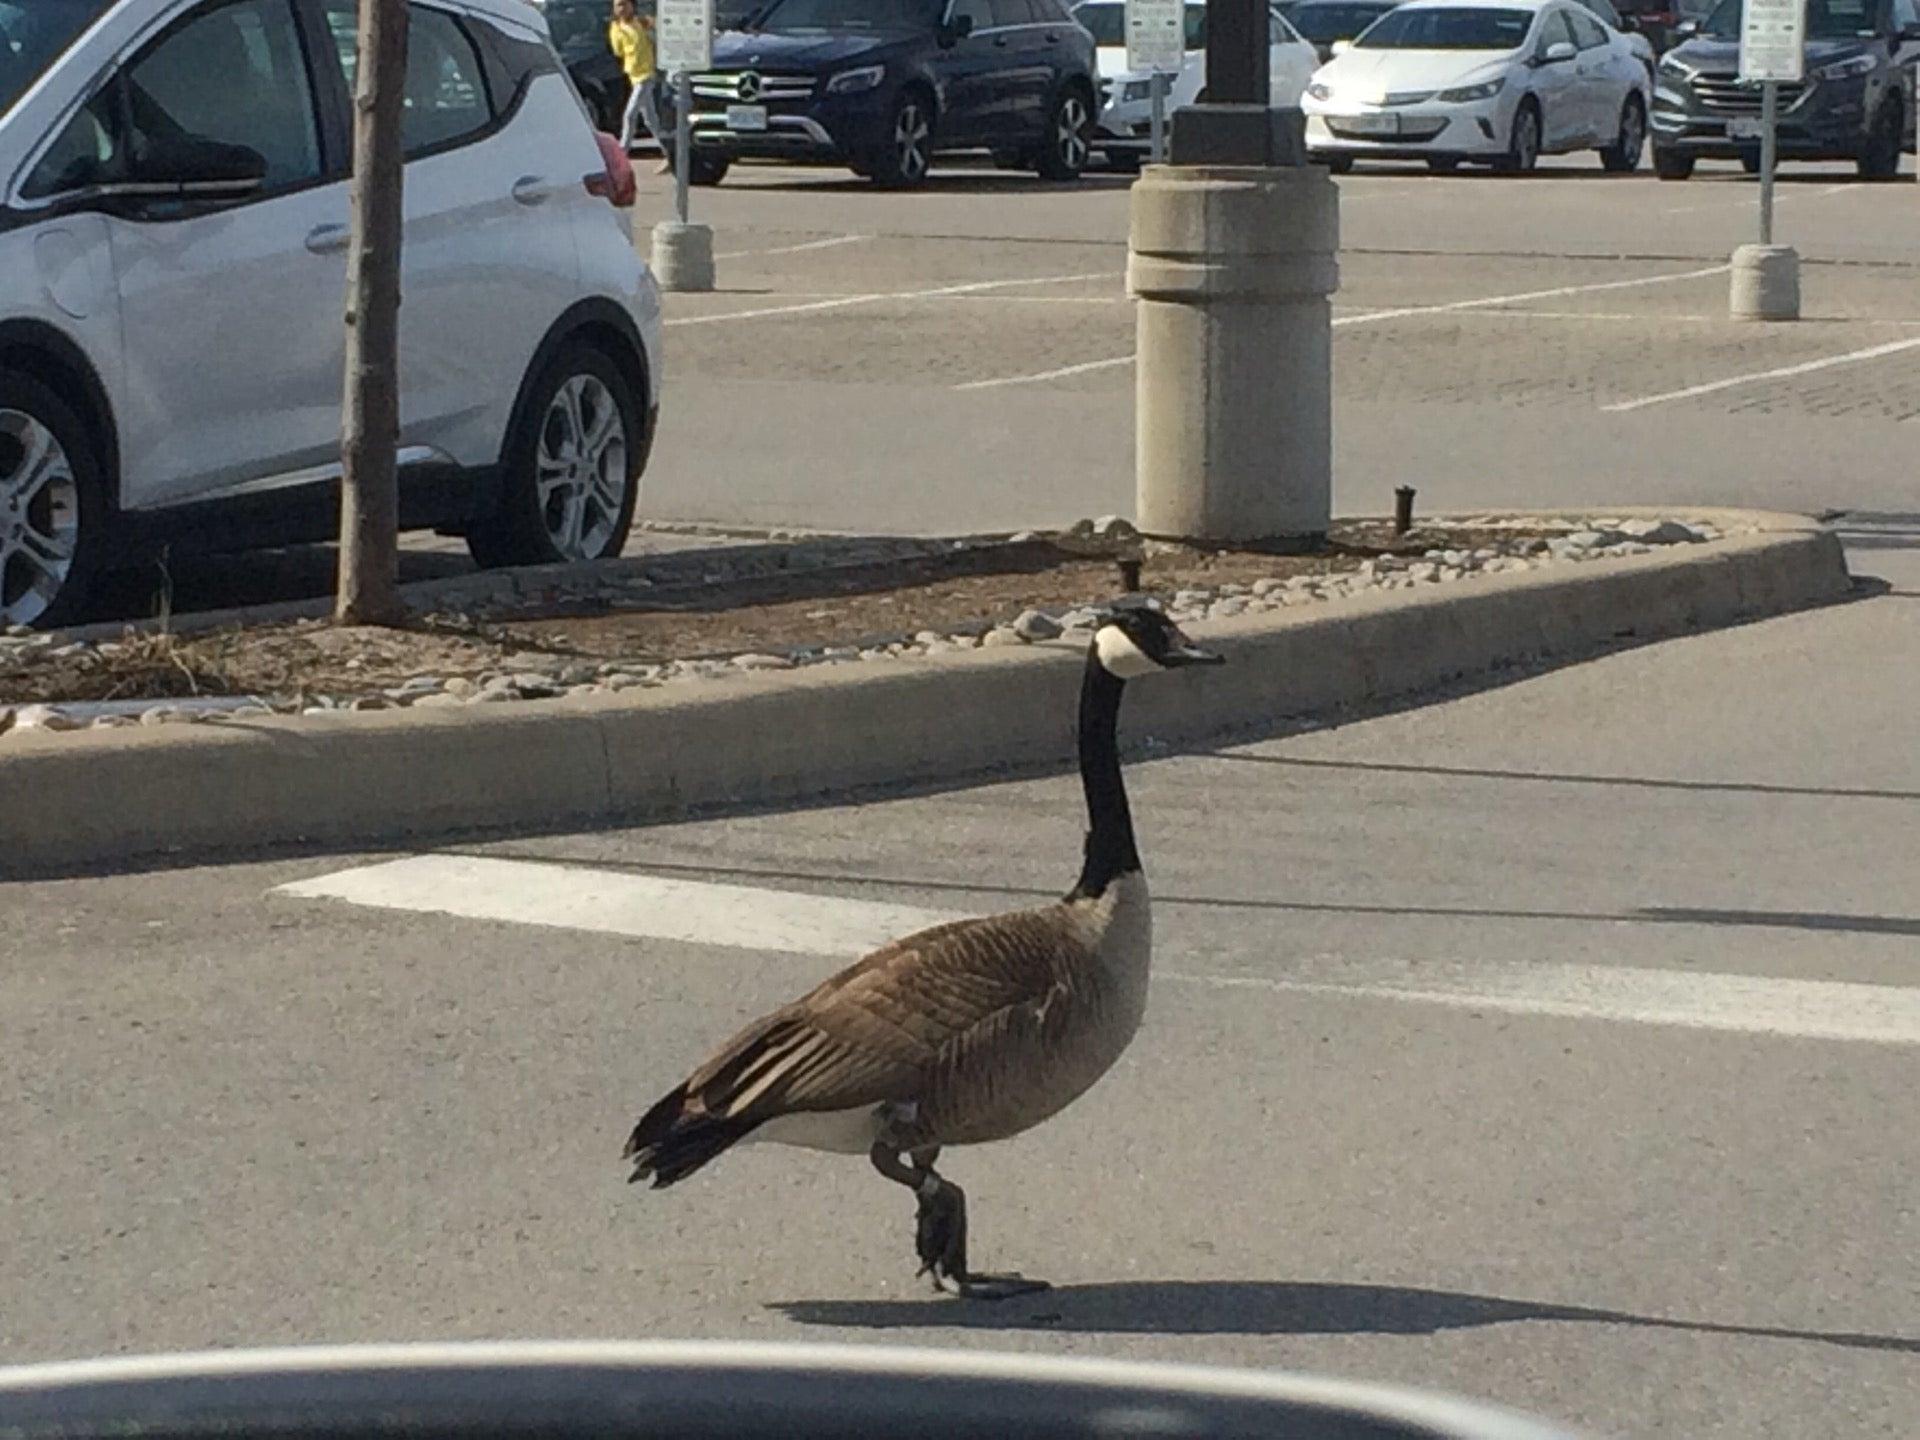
771,735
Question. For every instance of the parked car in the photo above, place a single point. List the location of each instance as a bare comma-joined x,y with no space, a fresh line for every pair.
1856,103
1125,128
882,86
1614,20
173,262
1502,84
1325,22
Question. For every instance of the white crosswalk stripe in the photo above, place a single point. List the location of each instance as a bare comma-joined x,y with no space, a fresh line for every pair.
745,917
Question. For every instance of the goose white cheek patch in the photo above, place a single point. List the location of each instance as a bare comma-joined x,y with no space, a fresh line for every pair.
1120,655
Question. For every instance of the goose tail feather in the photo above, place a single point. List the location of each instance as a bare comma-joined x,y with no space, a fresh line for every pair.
671,1141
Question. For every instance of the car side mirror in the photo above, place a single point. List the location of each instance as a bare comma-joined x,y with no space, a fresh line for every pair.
189,168
956,30
1340,47
1558,53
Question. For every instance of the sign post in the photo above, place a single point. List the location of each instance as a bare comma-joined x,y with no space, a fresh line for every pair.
1773,49
683,44
1156,44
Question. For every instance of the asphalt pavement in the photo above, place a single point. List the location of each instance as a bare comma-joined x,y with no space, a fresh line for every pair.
1553,1044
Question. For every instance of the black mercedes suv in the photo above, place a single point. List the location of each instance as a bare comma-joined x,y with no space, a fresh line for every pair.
1856,103
881,86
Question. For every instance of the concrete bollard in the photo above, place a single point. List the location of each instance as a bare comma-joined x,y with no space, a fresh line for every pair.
1232,267
683,256
1766,283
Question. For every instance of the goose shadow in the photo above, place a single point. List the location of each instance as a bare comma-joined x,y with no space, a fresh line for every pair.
1266,1307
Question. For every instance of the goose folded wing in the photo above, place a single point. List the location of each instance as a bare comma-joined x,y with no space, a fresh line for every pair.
881,1027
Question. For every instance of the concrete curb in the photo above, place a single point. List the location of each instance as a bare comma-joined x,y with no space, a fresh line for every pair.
98,799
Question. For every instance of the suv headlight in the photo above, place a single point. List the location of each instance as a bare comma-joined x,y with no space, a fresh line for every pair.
854,82
1466,93
1849,69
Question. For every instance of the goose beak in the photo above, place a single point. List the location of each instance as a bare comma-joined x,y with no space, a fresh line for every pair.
1188,653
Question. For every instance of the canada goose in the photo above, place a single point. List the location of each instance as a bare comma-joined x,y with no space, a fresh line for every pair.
964,1033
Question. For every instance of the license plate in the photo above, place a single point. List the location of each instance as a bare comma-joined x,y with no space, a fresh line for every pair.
1745,129
1371,124
746,117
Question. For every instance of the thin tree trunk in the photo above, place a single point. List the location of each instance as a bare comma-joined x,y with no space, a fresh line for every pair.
370,426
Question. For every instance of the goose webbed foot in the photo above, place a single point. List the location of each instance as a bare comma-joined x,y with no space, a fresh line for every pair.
940,1237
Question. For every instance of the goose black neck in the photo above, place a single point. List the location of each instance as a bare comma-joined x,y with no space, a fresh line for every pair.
1110,851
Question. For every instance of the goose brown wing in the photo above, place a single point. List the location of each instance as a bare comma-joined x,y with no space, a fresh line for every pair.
880,1028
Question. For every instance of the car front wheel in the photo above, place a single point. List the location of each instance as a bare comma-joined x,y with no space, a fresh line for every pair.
52,505
1069,140
1881,158
1672,164
904,156
571,470
1523,150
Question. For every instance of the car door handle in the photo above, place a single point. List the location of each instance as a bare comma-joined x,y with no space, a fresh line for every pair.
1000,41
327,239
531,189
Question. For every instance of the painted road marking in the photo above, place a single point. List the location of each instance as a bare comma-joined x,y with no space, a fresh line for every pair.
587,898
1806,367
881,296
1374,317
827,244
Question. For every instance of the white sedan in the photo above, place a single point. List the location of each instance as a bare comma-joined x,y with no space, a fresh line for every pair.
1499,84
1123,131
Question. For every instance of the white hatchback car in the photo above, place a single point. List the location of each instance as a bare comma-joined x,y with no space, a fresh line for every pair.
1500,82
173,230
1124,130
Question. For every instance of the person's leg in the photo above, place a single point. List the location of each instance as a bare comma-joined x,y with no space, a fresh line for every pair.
637,104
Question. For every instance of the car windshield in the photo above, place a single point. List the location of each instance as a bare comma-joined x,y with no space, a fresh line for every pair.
1448,28
1107,23
1826,20
578,27
33,33
1323,24
809,16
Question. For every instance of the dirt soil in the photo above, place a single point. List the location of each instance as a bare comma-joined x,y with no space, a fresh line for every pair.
966,590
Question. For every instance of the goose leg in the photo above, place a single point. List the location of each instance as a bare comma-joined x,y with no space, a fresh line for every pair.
940,1231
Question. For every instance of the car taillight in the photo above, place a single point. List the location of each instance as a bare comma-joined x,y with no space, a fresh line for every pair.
616,183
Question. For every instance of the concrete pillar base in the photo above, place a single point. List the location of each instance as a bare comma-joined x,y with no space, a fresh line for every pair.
683,256
1766,283
1232,267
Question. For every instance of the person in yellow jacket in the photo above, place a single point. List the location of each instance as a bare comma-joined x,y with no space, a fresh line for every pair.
630,36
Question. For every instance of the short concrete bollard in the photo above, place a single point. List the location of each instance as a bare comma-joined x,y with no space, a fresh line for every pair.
1766,283
1232,267
683,256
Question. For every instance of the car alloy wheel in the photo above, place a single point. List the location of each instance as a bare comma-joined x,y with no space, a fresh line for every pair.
39,518
1523,151
911,132
1630,141
1070,133
582,468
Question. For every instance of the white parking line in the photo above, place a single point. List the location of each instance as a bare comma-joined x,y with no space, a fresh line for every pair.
1784,372
1372,317
652,907
882,296
826,244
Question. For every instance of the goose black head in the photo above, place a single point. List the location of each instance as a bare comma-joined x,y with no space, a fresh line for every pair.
1136,638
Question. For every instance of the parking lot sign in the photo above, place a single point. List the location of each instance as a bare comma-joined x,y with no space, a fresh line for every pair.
1773,36
1156,36
683,35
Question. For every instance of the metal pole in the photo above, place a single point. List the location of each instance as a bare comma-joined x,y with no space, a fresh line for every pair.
1769,128
682,140
1157,95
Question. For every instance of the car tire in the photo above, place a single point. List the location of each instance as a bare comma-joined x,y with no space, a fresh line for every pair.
567,491
1622,157
708,169
1068,143
53,506
1338,164
1523,145
1443,165
901,162
1672,164
1750,164
1125,162
1880,160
